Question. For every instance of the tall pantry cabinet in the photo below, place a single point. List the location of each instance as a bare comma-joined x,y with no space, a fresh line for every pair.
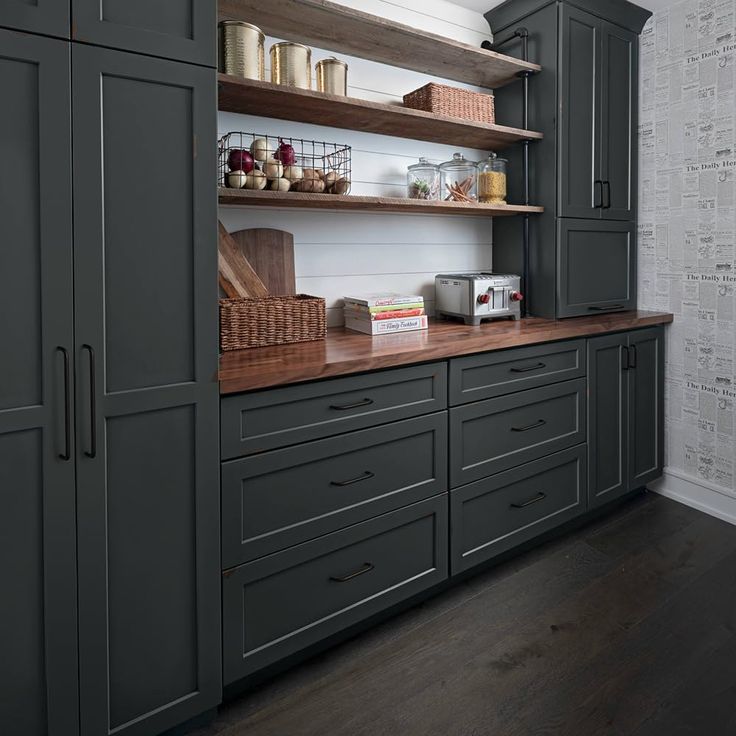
109,455
584,171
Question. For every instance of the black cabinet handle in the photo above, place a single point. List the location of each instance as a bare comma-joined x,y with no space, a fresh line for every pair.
611,308
528,368
632,356
625,364
536,425
607,186
367,567
539,497
367,475
67,454
92,452
597,194
356,405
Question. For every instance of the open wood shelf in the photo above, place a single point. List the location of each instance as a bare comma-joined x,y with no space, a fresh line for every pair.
251,97
337,28
254,198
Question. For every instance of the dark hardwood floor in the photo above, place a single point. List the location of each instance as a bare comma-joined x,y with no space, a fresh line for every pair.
623,627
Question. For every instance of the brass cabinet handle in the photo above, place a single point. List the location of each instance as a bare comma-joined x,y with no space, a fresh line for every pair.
367,475
92,452
367,567
528,368
536,425
67,454
356,405
539,497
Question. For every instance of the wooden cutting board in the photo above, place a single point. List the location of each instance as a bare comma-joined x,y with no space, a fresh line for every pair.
237,276
271,253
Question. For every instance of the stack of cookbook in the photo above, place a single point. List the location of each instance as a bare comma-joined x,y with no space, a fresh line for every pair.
382,314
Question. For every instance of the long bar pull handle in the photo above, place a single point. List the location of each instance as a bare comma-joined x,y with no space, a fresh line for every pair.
632,356
367,567
539,497
536,425
607,185
356,405
597,194
367,475
67,454
92,452
625,358
528,368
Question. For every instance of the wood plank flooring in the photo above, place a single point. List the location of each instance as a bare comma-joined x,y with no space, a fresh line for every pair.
625,627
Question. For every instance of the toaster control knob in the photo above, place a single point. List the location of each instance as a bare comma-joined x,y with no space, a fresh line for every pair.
516,296
484,298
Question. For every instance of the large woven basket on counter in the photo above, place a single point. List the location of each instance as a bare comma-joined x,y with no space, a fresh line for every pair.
453,102
271,320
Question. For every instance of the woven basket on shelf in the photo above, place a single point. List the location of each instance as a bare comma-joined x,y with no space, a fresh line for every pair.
453,102
271,320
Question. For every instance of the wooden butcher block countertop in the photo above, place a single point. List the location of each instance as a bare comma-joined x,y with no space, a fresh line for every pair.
344,352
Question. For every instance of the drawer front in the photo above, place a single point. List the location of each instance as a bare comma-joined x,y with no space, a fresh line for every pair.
494,374
287,601
266,420
493,515
284,497
498,434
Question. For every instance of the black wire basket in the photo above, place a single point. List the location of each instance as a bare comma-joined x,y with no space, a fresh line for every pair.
278,164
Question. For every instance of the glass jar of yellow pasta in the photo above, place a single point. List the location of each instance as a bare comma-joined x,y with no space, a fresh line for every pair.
492,180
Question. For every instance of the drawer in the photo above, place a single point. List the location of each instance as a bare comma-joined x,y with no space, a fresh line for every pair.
494,374
493,515
494,435
280,498
287,601
287,416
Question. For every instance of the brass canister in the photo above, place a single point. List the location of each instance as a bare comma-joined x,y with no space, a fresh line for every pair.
241,49
332,76
291,65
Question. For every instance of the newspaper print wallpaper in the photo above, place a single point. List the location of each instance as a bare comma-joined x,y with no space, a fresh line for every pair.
687,223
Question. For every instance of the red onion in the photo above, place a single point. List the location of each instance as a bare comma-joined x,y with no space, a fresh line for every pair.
285,153
240,160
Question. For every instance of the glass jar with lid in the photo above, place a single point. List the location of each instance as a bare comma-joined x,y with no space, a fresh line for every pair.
423,180
492,180
458,179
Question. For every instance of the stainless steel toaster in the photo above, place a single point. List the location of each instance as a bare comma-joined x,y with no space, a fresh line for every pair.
478,296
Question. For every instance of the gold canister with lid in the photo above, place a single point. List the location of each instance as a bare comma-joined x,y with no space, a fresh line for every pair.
291,65
241,49
332,76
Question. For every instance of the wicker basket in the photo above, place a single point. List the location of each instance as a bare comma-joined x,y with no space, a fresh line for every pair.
453,102
271,320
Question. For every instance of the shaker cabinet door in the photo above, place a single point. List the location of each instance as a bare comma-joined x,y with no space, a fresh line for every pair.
579,177
619,115
49,17
596,269
184,30
146,350
38,675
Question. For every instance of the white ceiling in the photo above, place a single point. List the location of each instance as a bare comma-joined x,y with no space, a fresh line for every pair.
481,6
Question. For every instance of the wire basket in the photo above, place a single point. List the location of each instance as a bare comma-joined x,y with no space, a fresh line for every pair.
274,163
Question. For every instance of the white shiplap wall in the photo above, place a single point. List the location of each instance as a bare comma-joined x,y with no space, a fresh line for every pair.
339,253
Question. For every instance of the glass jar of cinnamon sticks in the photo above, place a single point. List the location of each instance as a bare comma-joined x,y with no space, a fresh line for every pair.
459,179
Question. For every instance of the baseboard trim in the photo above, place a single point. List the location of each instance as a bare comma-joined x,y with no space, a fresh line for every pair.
696,493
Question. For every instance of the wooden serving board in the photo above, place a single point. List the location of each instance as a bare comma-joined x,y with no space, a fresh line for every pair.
237,276
271,254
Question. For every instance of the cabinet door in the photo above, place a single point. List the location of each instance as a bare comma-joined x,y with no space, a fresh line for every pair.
619,114
146,344
607,418
596,268
184,30
37,509
579,188
50,17
646,405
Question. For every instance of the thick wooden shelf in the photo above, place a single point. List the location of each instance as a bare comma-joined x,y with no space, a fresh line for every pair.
252,198
274,101
345,352
337,28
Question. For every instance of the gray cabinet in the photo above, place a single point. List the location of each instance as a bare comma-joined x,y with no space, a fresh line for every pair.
596,266
625,412
184,30
49,17
38,676
147,397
